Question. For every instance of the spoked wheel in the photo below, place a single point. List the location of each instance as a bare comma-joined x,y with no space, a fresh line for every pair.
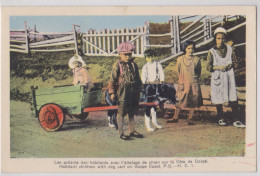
51,117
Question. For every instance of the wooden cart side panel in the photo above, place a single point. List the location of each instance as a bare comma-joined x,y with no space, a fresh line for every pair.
69,98
92,98
61,98
58,90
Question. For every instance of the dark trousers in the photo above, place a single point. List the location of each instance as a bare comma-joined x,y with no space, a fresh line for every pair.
234,117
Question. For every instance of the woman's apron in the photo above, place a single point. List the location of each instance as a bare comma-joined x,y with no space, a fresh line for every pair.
223,86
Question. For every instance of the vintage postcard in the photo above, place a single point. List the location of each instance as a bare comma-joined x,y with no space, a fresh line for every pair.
129,89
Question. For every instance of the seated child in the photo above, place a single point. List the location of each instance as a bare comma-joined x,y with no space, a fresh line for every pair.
80,74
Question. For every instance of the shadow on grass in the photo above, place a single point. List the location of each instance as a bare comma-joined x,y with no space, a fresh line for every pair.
78,125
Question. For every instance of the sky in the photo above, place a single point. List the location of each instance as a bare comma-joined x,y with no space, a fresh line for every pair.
64,23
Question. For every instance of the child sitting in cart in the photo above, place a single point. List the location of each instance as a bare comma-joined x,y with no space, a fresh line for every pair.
80,74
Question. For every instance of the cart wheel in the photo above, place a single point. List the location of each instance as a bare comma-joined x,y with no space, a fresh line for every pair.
51,117
83,116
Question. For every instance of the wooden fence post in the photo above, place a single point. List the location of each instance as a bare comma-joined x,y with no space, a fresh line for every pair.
137,41
178,38
224,19
95,42
99,41
132,31
210,28
172,35
205,28
84,46
34,30
127,34
87,44
146,37
104,40
142,41
113,40
108,41
27,49
91,41
175,36
75,39
122,36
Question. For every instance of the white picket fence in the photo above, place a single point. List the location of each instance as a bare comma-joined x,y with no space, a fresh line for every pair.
104,43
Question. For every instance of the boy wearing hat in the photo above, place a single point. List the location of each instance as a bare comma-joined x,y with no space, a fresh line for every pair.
223,87
125,85
80,74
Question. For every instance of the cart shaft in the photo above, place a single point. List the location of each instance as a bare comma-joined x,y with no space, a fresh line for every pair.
105,108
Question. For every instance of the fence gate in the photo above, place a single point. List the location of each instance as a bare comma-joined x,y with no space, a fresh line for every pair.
104,43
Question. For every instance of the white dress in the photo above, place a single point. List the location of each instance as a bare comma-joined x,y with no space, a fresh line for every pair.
223,86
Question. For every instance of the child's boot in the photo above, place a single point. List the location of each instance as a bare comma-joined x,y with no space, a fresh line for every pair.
110,123
147,123
154,119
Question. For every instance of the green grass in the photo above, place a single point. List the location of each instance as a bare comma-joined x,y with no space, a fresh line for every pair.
47,70
35,71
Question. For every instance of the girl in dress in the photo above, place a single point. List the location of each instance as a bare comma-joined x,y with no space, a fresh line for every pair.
188,92
223,87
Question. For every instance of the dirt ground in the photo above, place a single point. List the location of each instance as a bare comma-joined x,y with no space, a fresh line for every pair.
93,138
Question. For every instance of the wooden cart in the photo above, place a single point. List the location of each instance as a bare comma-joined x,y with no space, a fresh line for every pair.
50,105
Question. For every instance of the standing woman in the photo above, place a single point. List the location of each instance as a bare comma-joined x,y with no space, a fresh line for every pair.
188,92
223,87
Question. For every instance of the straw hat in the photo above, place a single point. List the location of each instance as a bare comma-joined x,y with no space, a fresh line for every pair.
220,30
74,59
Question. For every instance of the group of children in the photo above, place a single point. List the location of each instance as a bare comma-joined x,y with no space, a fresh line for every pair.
125,83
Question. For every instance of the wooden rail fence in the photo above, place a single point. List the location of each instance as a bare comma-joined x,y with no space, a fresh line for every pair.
105,42
26,41
201,33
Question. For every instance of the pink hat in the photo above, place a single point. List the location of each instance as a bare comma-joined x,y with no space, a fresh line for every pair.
126,47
